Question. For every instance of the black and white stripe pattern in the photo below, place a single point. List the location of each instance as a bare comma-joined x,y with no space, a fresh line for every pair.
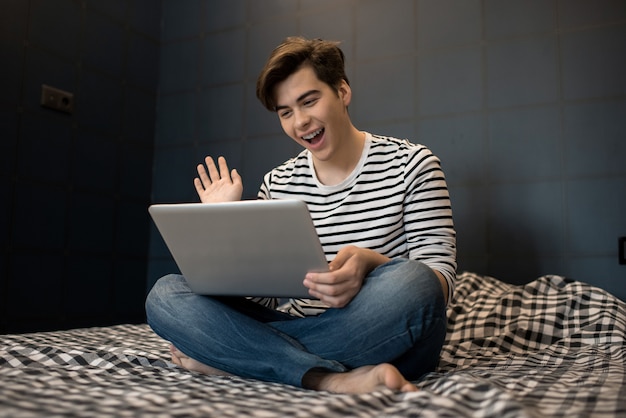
395,202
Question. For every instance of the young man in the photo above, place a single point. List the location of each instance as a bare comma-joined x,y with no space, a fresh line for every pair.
382,211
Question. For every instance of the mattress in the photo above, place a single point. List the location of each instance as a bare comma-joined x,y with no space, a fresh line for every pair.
552,347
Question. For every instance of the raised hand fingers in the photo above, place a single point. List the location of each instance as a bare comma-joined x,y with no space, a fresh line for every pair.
203,179
214,174
199,186
223,166
215,183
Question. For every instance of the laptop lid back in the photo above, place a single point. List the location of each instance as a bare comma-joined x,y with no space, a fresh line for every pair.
245,248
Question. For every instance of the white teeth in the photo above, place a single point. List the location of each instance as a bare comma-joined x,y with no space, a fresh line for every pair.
312,135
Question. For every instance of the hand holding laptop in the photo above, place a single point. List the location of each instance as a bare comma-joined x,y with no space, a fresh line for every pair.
340,284
215,184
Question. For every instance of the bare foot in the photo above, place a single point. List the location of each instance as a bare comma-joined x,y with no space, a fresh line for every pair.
361,380
181,359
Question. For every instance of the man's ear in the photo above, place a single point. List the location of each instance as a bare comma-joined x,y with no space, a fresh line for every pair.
345,92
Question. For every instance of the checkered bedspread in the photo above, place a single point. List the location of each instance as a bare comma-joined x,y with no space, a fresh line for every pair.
552,347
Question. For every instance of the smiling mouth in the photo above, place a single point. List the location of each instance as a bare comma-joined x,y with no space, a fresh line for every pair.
313,136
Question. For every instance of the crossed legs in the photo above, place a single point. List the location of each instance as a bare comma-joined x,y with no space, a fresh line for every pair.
391,332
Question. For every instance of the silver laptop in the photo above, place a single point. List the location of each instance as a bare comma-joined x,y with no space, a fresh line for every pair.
245,248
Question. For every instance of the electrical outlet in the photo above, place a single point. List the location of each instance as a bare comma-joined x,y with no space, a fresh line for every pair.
621,248
57,99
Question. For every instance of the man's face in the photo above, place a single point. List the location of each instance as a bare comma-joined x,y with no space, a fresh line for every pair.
312,113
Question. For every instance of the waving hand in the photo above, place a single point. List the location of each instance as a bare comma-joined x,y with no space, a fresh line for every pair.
215,184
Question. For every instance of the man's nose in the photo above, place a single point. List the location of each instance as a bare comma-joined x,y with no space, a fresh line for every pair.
302,119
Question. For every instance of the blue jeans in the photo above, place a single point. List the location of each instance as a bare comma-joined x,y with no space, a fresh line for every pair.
398,317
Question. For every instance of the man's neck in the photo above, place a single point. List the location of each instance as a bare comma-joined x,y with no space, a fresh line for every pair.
345,160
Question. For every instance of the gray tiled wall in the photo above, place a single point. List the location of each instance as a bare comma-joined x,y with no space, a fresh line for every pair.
524,102
74,231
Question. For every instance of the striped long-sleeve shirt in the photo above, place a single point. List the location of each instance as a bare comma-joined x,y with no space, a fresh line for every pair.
395,202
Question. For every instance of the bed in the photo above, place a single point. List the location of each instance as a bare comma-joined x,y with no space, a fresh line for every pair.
552,347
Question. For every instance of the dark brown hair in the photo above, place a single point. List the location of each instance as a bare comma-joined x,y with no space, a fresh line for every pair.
325,57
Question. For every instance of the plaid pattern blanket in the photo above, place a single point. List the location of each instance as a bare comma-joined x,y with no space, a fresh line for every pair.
552,347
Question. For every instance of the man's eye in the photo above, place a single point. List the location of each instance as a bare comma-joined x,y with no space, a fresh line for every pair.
285,114
310,102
